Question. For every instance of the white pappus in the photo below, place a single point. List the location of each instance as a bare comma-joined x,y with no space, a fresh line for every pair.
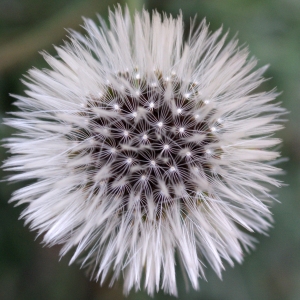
145,147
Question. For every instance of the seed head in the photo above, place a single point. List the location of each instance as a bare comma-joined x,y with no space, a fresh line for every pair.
143,146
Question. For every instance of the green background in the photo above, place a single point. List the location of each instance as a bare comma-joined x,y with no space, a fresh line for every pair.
271,28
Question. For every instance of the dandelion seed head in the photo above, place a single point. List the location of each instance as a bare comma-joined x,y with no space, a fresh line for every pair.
161,149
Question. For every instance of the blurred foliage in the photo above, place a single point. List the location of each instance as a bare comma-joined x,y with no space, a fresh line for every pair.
271,28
